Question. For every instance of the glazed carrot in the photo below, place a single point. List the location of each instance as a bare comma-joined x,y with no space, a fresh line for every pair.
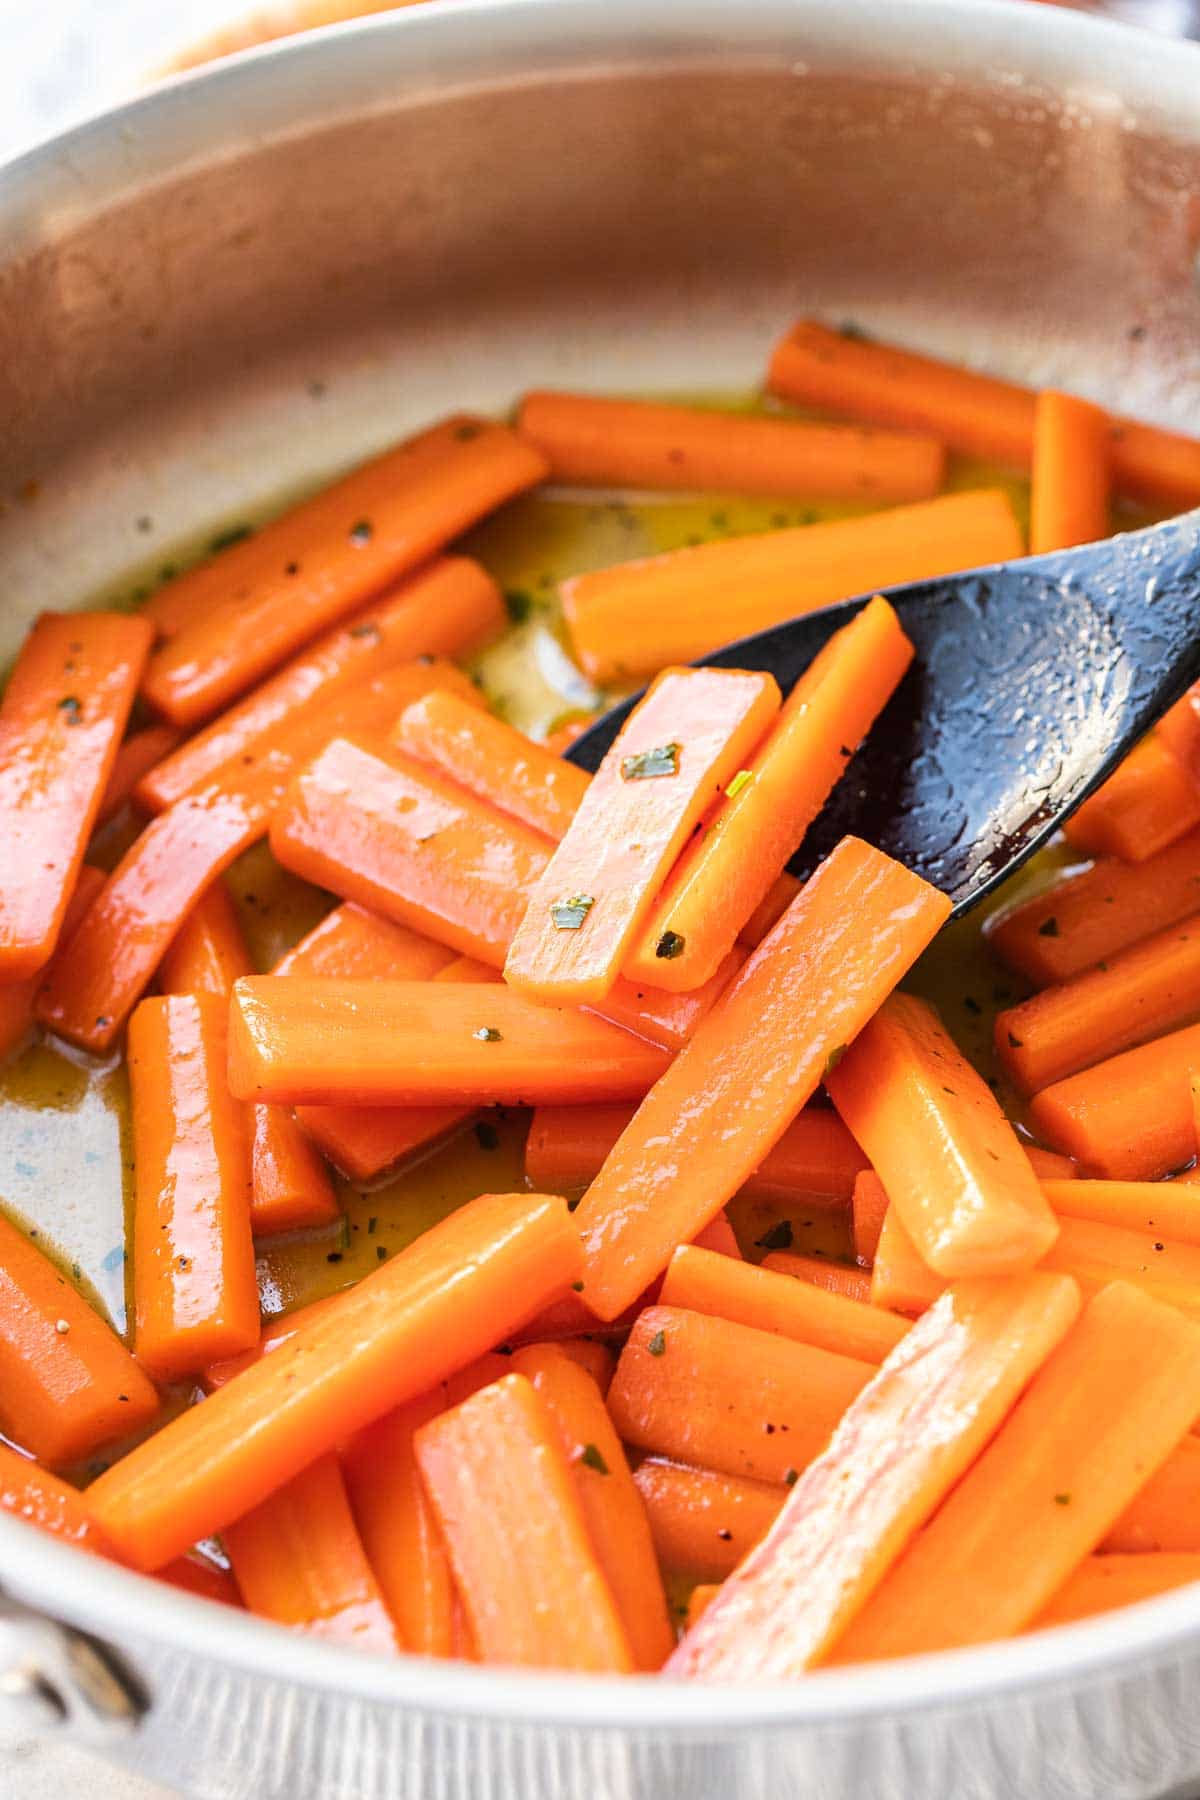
230,621
630,620
769,1300
442,611
502,1489
818,1271
703,1523
1129,1118
274,1333
141,751
1048,1165
195,1291
723,875
682,744
18,999
62,717
590,441
699,1601
67,1382
196,1574
1163,1209
490,759
399,1531
561,739
978,414
1071,477
720,1238
354,943
751,1065
666,1019
48,1502
1146,805
1164,1515
950,1161
899,1450
1090,914
1179,730
408,1043
101,974
769,911
900,1280
815,1158
208,953
454,1292
704,1390
612,1509
298,1559
1103,1582
1098,1418
868,1206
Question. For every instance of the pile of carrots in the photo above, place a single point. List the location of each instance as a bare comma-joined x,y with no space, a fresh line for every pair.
563,1418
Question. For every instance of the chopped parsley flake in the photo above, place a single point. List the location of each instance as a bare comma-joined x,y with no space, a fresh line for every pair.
647,765
362,532
777,1237
591,1458
740,780
657,1344
1048,927
568,915
669,946
487,1034
833,1059
71,707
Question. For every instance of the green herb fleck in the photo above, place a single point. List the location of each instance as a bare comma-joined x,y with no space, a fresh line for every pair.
71,707
519,604
1048,927
647,765
372,1225
577,1287
1062,1499
361,532
591,1458
568,915
669,946
225,540
487,1034
790,1477
777,1236
368,629
833,1059
740,780
657,1344
343,1237
466,431
1014,1042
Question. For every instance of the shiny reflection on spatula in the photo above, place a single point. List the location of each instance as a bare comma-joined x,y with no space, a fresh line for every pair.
1031,681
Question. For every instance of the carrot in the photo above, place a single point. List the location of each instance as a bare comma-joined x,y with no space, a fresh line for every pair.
441,611
700,1389
612,1509
1179,730
815,1158
1048,1165
630,620
1098,1418
950,1161
1139,811
868,1207
528,1574
563,736
769,911
1071,457
699,1601
1101,1583
819,1271
768,1300
196,1574
67,1382
208,953
1164,1515
751,1065
18,999
1162,1209
274,1333
1128,1118
195,1291
900,1280
678,749
666,1019
407,1043
357,944
703,1523
490,759
590,441
62,717
48,1502
904,1443
978,414
589,1354
725,873
1091,914
298,1559
233,619
720,1238
141,752
455,1291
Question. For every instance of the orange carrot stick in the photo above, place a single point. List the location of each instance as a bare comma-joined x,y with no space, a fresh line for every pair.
1165,1513
1179,730
631,620
1129,1118
195,1291
769,911
703,1523
67,1382
952,1164
490,759
901,1447
818,1271
141,752
868,1207
529,1577
278,1331
700,1389
768,1300
590,441
48,1502
720,1238
299,1560
724,874
356,944
196,1574
1091,914
681,745
460,1288
978,414
751,1065
1146,805
61,720
18,999
208,953
1103,1413
1160,1209
1071,478
398,1043
1048,1165
612,1508
441,611
233,619
598,1360
1101,1583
